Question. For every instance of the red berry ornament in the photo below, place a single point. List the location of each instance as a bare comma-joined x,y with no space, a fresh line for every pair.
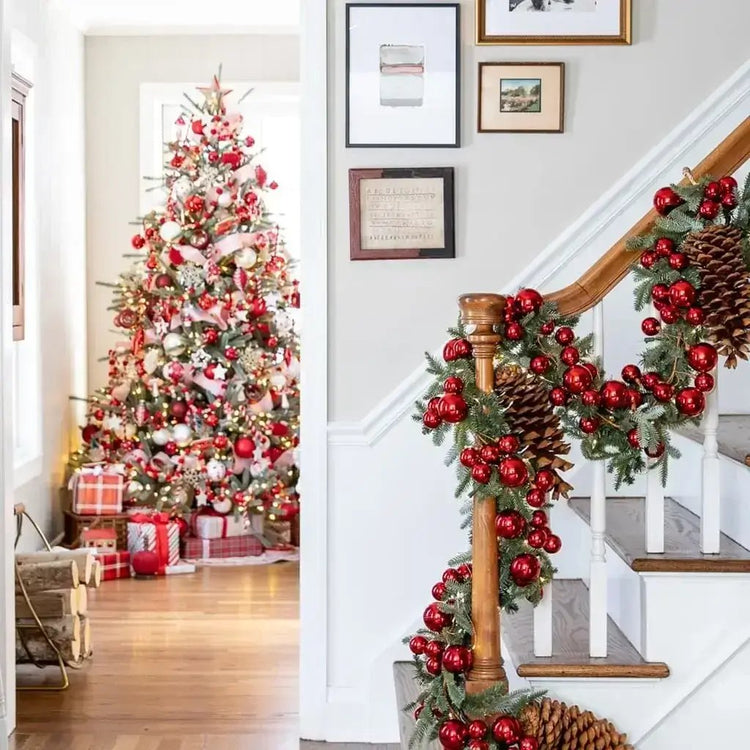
704,382
547,328
510,524
558,397
490,454
434,648
669,314
432,665
702,357
452,408
544,480
591,398
589,425
438,591
678,261
651,326
633,439
536,498
663,247
570,355
449,351
539,365
537,538
528,301
728,185
713,191
481,472
244,447
682,294
434,619
477,730
477,745
509,444
695,316
507,729
709,209
513,472
657,452
635,398
577,379
650,379
453,385
665,200
468,457
528,743
451,575
553,544
729,201
648,259
631,373
663,392
452,734
660,292
691,402
539,519
514,331
614,395
464,571
525,569
454,659
431,420
564,335
417,644
138,241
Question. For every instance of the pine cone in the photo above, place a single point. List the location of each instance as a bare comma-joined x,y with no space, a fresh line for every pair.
725,288
533,421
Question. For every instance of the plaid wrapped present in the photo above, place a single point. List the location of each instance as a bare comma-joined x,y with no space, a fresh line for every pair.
97,490
208,524
155,532
247,545
114,565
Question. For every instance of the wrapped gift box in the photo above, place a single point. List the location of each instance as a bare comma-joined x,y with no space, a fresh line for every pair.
97,491
234,546
156,533
114,565
207,525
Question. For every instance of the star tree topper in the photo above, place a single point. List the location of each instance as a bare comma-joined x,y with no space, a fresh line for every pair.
214,95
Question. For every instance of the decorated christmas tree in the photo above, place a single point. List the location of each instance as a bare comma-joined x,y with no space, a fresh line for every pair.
202,403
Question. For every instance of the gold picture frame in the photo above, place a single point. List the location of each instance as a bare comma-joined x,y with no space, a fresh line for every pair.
487,37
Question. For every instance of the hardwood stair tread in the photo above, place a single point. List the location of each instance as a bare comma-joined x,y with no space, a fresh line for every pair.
626,534
570,641
733,436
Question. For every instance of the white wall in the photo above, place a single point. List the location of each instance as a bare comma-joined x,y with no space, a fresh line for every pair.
49,50
115,69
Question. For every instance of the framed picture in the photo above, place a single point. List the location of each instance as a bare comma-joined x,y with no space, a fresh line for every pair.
553,21
402,75
521,97
401,213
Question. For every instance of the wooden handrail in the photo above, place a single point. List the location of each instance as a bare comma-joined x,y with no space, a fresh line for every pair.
613,266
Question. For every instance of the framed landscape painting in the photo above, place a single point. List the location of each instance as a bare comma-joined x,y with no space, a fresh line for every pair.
553,21
402,75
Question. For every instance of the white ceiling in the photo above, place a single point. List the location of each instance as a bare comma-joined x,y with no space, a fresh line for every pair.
185,16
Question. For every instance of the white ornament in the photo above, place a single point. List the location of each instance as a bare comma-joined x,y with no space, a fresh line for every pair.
174,344
151,360
216,470
222,506
201,498
284,322
170,230
220,372
182,188
182,434
162,437
113,422
225,199
246,258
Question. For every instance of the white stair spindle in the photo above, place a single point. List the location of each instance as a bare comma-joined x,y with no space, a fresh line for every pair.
543,623
654,513
711,476
598,563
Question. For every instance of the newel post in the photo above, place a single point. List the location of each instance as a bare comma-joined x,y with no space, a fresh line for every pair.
484,312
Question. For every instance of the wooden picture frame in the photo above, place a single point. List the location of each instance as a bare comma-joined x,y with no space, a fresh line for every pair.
402,213
521,97
403,75
497,22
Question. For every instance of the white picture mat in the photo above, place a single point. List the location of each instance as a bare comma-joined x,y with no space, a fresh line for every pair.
433,28
500,21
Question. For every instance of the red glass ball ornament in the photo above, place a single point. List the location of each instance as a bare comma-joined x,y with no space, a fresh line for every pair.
244,447
564,335
452,734
635,398
651,326
529,301
145,563
709,209
663,247
178,410
525,569
433,403
704,381
570,355
138,241
528,743
539,364
591,367
163,281
88,432
663,392
468,457
591,398
477,730
631,373
450,575
490,454
514,331
477,745
453,408
417,644
537,538
432,665
577,379
648,259
547,328
431,420
691,402
702,357
539,519
713,191
513,472
508,444
438,591
453,385
536,498
434,619
633,439
509,524
678,261
558,397
449,351
729,201
669,314
589,425
464,571
728,184
463,348
657,452
665,200
454,659
481,472
544,480
650,379
614,395
434,648
682,293
660,292
509,311
553,544
695,316
507,729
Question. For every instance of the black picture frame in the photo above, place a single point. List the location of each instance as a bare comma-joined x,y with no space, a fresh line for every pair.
348,115
448,250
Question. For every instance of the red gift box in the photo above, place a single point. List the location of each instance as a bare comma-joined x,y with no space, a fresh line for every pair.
233,546
97,491
115,565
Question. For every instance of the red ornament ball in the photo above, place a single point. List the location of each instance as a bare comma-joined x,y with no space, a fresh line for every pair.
431,420
702,357
614,395
544,480
455,659
691,402
553,544
529,301
591,367
663,392
537,538
145,563
564,335
490,454
709,209
678,261
728,185
633,439
244,447
660,292
713,191
695,316
449,351
704,381
138,241
88,432
669,314
657,452
525,569
510,524
570,355
591,398
631,373
528,743
651,327
434,648
434,619
481,472
558,397
163,281
417,644
452,408
589,425
508,444
513,472
539,519
432,665
682,294
450,574
477,730
650,379
178,410
577,379
453,385
452,734
539,365
468,457
547,328
514,331
635,398
477,745
507,729
536,498
663,247
648,259
665,200
729,201
438,591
